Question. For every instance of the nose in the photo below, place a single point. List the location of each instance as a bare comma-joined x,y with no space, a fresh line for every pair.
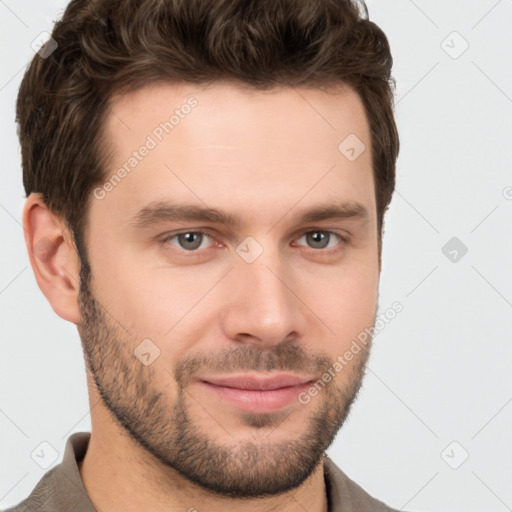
262,307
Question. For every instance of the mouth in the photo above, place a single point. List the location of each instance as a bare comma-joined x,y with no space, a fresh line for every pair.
257,393
260,382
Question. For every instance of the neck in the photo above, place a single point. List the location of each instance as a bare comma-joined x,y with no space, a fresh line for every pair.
119,482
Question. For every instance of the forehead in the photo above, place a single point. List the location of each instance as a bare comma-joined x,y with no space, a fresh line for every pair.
227,145
233,107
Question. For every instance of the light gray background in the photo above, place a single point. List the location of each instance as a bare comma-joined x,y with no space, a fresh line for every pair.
439,372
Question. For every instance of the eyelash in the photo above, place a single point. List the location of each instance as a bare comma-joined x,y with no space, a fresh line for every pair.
343,240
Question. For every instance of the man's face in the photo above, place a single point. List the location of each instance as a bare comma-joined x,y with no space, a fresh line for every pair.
168,308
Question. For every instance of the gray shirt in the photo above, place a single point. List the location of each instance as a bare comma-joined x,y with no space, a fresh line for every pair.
61,489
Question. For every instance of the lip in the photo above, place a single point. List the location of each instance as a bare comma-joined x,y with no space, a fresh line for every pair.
259,394
260,382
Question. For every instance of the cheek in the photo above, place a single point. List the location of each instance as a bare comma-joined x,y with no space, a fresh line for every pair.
346,301
150,301
124,289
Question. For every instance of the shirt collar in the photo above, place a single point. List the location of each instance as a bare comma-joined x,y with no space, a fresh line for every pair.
67,491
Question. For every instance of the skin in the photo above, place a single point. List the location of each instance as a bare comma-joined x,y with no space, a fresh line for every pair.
160,441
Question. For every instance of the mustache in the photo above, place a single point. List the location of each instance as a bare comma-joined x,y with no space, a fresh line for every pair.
283,356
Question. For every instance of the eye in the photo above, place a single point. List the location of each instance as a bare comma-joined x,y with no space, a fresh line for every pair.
320,239
190,241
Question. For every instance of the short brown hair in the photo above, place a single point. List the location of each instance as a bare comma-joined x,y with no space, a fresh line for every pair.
107,47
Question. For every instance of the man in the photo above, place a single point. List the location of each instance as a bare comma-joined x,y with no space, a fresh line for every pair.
206,184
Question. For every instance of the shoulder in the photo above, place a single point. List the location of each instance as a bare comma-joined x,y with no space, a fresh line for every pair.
346,495
61,488
41,498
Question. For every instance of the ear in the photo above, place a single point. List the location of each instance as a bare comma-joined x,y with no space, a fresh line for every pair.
53,257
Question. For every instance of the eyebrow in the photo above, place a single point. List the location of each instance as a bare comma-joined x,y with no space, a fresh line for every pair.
161,211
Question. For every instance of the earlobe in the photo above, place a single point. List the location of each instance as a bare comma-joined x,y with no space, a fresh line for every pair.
53,257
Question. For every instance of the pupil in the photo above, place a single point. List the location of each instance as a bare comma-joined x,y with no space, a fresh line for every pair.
189,239
318,236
